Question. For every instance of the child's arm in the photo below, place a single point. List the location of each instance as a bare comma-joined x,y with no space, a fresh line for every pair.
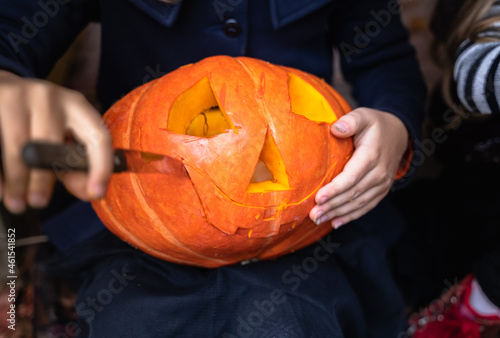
32,109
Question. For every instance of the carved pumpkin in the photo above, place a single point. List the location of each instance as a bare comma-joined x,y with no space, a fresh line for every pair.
255,142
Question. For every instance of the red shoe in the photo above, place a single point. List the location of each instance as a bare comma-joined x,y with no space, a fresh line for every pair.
450,316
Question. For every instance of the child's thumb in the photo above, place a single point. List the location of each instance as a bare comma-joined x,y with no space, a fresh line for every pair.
344,127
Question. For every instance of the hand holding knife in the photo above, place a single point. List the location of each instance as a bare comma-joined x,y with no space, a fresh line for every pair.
70,156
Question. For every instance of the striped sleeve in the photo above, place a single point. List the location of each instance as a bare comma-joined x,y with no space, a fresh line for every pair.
477,71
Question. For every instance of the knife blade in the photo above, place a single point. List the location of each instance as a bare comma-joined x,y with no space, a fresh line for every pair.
74,157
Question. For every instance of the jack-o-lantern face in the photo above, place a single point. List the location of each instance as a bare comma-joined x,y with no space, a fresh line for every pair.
256,145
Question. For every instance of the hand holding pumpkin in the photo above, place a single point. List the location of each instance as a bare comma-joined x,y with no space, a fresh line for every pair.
39,110
380,141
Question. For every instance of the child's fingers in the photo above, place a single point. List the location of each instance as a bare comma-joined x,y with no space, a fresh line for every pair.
15,133
40,187
361,163
46,125
345,202
76,183
87,126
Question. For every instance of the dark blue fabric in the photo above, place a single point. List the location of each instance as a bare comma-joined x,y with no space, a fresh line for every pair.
34,34
163,37
338,287
72,226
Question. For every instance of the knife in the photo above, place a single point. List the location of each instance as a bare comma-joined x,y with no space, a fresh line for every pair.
71,156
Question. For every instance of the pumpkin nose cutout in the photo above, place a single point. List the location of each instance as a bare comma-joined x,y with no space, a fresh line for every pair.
261,173
270,172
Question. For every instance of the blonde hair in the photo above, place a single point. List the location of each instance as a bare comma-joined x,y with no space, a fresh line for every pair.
468,24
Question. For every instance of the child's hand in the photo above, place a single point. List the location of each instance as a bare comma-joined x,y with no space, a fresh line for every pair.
380,141
38,110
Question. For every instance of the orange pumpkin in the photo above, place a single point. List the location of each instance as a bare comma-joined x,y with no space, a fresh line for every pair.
255,142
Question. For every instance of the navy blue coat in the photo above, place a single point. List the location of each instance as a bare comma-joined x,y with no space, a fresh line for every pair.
137,34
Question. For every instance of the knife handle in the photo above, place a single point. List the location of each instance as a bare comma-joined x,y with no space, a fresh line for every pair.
64,157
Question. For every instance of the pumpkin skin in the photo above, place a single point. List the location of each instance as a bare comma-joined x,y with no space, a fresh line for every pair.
239,112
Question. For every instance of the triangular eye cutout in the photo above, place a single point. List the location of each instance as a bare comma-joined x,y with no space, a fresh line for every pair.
270,172
308,102
261,173
196,112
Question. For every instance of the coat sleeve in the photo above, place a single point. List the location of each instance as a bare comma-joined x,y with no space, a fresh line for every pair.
379,62
34,34
477,70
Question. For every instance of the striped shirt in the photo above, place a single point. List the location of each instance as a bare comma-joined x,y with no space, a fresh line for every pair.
477,71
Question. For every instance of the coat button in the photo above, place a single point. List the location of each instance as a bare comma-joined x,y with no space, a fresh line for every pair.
232,28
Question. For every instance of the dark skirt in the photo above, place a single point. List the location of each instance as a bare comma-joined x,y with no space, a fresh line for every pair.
340,286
